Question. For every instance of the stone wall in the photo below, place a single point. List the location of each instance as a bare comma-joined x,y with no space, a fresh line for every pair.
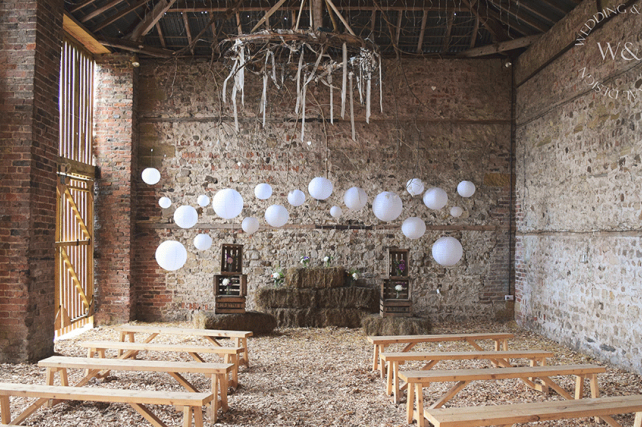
444,121
579,187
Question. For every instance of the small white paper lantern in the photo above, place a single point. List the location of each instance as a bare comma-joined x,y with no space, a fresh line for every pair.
202,242
355,198
277,215
435,198
447,251
164,202
151,176
320,188
263,191
227,203
171,255
413,227
387,206
456,211
185,216
296,197
335,211
203,200
250,225
466,189
415,187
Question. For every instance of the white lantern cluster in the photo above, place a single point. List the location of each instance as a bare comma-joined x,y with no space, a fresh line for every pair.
413,228
387,206
447,251
263,191
171,255
335,211
296,197
185,216
435,198
203,200
227,203
164,202
202,242
466,189
415,187
151,176
320,188
250,225
355,198
276,216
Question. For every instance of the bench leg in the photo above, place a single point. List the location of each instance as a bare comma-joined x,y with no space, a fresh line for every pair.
148,415
198,416
214,403
395,379
187,416
222,381
389,379
421,420
375,358
5,410
579,387
409,402
242,342
638,420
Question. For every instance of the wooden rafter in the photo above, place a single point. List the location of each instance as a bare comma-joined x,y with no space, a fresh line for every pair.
481,11
534,11
100,10
449,28
512,25
188,32
269,13
134,46
512,11
151,19
373,20
398,34
424,19
238,23
473,39
555,5
160,35
119,15
82,5
500,47
183,6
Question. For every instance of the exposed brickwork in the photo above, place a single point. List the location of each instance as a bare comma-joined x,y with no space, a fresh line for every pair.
30,56
115,149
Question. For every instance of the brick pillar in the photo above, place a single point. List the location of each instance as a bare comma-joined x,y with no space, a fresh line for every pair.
115,148
30,34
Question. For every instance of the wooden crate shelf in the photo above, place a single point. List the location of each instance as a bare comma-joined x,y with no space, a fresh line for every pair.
229,305
231,259
398,262
236,288
395,308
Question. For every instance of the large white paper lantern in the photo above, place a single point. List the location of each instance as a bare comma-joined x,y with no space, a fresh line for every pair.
466,188
456,211
355,198
202,242
263,191
387,206
250,225
320,188
435,198
171,255
151,176
277,215
164,202
203,200
185,216
227,203
413,227
447,251
335,211
296,197
415,187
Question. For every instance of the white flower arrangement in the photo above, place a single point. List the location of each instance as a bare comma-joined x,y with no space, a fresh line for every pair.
355,276
326,259
398,288
275,275
226,282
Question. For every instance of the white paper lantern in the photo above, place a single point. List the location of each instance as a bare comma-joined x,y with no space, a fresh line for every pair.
387,206
435,198
456,211
151,176
277,215
171,255
355,198
296,197
413,227
185,216
335,211
250,225
466,189
164,202
203,200
202,242
263,191
415,187
227,203
447,251
320,188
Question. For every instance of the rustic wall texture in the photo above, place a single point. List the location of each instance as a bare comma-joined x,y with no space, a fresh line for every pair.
579,186
444,121
30,34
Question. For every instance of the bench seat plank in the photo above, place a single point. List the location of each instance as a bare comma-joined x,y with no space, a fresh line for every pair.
220,333
531,412
134,365
118,345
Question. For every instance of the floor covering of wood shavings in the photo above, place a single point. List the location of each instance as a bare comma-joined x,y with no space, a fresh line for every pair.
309,377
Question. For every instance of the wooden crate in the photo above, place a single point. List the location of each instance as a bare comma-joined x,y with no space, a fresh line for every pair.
233,253
229,305
397,257
395,308
393,303
236,288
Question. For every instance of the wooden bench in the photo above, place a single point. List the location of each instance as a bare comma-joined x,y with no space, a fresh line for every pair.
229,354
191,403
380,343
239,337
218,372
462,377
498,358
507,415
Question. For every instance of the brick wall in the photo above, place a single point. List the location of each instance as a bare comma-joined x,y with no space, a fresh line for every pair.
30,56
443,121
115,150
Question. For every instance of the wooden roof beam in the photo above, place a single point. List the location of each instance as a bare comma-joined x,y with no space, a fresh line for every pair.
500,47
424,18
525,6
528,21
555,5
151,19
449,28
160,35
134,46
100,10
188,32
473,39
119,15
81,6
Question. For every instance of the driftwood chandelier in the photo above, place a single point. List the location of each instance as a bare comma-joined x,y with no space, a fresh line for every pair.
339,61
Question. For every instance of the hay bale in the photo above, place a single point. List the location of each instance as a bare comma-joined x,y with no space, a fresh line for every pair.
318,318
348,297
266,298
315,278
377,325
258,323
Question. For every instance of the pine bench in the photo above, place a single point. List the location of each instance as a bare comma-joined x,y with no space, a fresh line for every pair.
229,354
191,403
417,380
239,337
218,372
498,358
380,343
507,415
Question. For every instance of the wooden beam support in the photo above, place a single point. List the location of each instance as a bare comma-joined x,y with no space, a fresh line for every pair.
238,23
151,19
160,35
76,30
512,25
119,15
81,6
100,10
525,19
133,46
449,28
424,18
188,6
188,32
399,16
473,39
481,11
500,47
267,16
373,19
525,6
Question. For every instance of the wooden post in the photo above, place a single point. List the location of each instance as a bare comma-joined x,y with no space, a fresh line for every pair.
317,14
